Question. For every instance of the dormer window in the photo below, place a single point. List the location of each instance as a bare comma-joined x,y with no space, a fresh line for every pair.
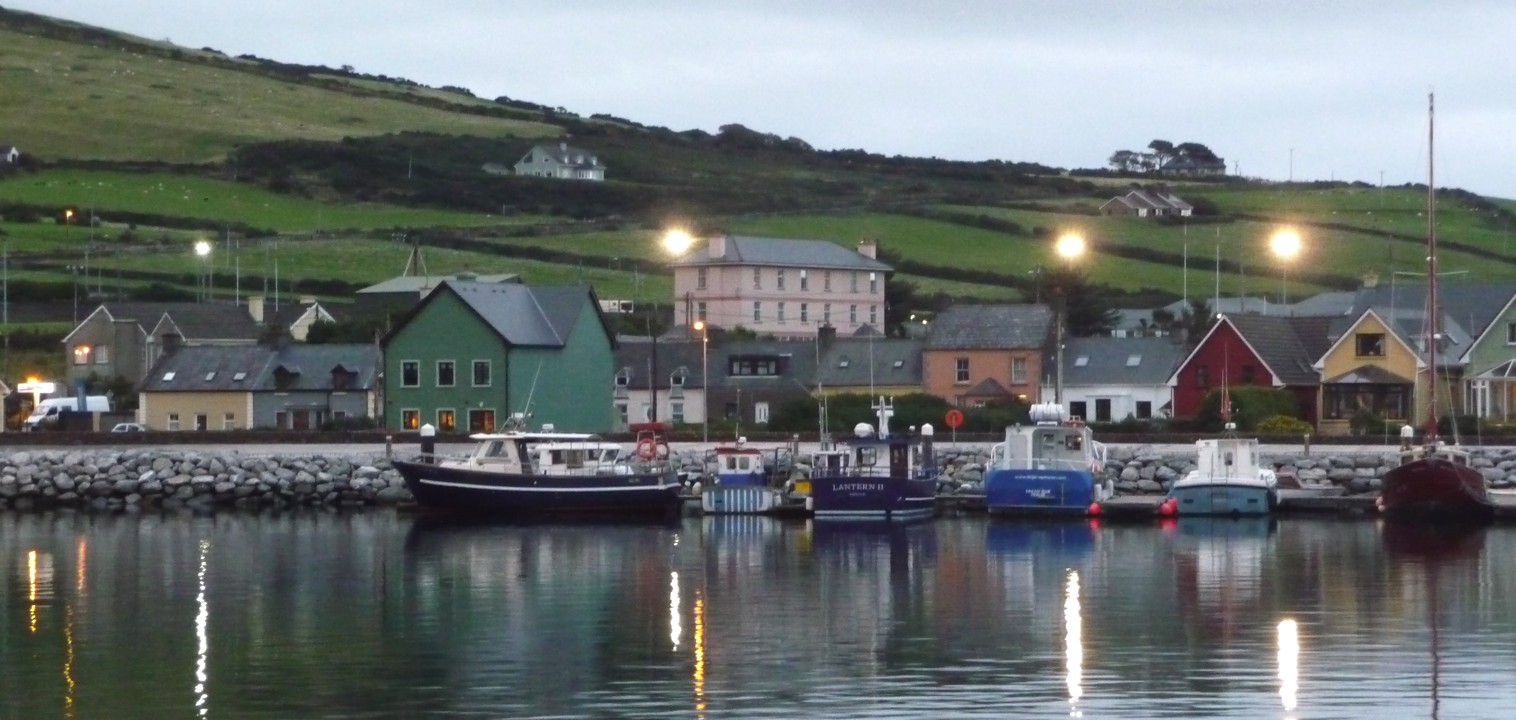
623,378
677,379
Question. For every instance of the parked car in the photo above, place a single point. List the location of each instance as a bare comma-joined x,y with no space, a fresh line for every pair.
128,427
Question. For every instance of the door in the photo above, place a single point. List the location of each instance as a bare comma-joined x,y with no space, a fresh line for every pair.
300,420
1102,409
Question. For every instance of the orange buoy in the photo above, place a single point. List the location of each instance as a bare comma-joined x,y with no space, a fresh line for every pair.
1167,507
1094,508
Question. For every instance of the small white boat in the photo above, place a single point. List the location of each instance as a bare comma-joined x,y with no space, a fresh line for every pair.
1228,480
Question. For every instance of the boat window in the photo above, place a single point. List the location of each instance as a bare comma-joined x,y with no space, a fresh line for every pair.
495,448
1226,458
867,456
1074,443
574,458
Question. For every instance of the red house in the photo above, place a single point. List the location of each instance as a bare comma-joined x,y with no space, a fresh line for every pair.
1254,350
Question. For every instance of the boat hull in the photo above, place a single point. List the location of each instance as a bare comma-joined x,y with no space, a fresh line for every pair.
1223,499
738,500
494,493
1030,491
872,498
1435,487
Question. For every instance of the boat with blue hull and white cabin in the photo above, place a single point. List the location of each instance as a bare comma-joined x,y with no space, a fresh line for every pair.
875,475
741,483
515,472
1053,466
1227,480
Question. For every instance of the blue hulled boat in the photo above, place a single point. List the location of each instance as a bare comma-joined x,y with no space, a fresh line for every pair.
1227,481
1050,467
741,482
874,475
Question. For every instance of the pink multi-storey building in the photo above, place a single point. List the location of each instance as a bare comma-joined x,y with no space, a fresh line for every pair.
786,288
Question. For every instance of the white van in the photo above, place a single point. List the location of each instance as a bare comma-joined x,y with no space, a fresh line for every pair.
46,412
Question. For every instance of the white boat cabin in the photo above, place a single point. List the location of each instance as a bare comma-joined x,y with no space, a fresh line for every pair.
1228,460
546,454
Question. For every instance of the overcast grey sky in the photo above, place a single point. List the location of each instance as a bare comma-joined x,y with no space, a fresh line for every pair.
1340,85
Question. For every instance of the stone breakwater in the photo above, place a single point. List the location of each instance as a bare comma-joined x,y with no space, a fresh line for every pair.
126,480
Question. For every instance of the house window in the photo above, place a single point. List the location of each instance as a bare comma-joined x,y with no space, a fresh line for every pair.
1369,344
676,412
805,314
1018,370
173,422
852,314
410,373
757,278
874,315
338,416
873,283
760,412
647,412
853,281
826,281
410,419
780,313
677,379
1144,409
445,420
750,365
1102,409
1510,333
81,354
202,423
281,420
102,354
444,373
481,373
623,378
1078,409
229,421
779,278
757,311
700,278
1202,377
826,314
621,413
700,311
481,420
961,370
805,281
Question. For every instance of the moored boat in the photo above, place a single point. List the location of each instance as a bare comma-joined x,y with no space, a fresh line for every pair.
741,482
875,475
515,472
1433,479
1050,467
1228,480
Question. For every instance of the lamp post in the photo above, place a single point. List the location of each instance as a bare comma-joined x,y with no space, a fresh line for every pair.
1286,245
705,383
203,251
1070,246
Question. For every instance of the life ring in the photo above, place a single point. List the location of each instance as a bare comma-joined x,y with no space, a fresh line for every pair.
646,450
661,450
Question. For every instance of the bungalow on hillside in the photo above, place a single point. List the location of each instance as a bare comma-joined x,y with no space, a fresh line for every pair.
561,161
1153,202
9,154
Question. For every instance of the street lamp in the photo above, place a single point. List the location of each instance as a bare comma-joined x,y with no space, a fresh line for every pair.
1286,245
203,250
705,383
676,241
1069,246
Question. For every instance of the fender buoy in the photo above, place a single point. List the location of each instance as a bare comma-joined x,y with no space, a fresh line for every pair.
645,450
1094,509
1095,466
662,450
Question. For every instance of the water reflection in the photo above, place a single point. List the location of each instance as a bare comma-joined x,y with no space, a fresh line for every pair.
1073,642
202,635
1289,663
675,629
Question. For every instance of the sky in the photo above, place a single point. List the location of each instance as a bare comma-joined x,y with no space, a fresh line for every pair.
1281,89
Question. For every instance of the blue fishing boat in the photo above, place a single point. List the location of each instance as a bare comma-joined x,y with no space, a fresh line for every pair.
875,475
1053,466
1227,480
741,482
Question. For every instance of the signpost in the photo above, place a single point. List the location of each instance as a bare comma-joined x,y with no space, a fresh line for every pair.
953,419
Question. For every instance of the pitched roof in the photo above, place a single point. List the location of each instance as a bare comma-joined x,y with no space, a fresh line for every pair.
216,368
1119,361
797,370
990,327
860,362
768,251
1279,345
1119,200
525,315
195,321
634,360
988,387
415,283
566,154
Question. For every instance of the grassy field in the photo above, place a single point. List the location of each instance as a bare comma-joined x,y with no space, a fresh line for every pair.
192,196
186,111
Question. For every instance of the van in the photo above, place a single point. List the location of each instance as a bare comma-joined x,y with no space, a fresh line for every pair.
46,414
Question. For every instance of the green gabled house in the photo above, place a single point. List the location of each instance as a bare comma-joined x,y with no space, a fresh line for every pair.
472,353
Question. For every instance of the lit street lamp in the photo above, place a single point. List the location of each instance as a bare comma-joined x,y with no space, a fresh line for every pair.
1070,246
677,241
705,383
203,250
1286,245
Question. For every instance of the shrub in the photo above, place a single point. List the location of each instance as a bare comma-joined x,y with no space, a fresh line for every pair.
1283,425
1250,405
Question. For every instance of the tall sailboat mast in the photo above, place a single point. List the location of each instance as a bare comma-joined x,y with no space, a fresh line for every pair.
1431,305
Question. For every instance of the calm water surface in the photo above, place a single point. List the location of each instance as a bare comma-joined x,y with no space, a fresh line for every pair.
377,615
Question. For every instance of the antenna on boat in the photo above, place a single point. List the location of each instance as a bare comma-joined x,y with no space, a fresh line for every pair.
526,412
1431,319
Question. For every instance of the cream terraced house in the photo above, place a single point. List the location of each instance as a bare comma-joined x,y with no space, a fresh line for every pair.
782,287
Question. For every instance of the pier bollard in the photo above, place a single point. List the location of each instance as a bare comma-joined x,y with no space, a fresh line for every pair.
428,444
389,447
1307,441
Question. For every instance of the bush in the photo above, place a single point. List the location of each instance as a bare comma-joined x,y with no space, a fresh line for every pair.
1283,425
1250,405
1368,422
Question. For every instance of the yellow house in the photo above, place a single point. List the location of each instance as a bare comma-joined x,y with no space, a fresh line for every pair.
1369,370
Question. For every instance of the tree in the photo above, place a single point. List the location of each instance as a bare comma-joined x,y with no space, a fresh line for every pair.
1122,160
1194,150
1195,321
1086,310
1163,149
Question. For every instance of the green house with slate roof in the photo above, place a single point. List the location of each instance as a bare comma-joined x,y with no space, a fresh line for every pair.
472,353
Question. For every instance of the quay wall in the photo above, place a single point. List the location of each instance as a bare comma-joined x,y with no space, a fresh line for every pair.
117,479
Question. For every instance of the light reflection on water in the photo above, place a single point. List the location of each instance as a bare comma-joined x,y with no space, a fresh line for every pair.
379,615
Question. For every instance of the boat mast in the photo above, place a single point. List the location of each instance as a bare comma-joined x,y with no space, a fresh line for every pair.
1431,324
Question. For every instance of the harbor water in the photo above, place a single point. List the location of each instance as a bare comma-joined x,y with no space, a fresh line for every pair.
379,614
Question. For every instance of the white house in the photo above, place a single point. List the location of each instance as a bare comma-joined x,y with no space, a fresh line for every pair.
561,161
9,154
1109,379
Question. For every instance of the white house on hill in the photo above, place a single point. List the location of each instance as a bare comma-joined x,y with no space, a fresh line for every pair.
561,161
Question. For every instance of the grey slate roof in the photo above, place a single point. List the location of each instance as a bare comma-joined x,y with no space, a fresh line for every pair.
196,321
635,359
1468,306
767,251
414,283
566,154
894,361
1289,346
990,327
798,364
525,315
988,387
1106,360
214,368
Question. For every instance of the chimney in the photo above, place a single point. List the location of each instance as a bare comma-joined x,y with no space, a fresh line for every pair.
825,336
172,342
564,147
1370,279
717,247
255,308
868,247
